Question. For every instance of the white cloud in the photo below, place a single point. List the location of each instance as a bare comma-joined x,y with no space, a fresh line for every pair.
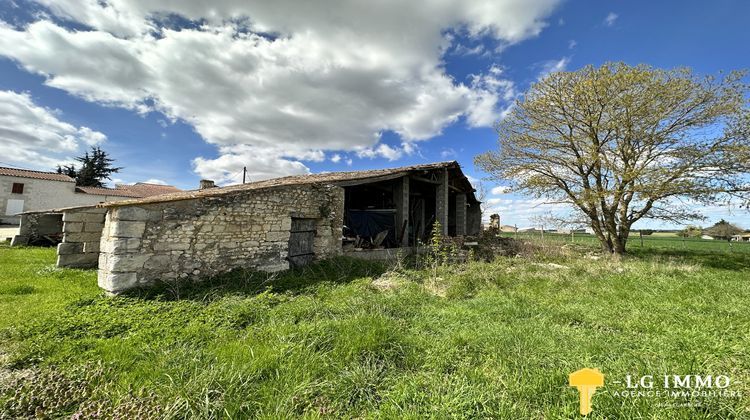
552,66
382,150
330,78
35,137
336,158
447,153
572,44
227,168
155,181
490,90
500,189
610,19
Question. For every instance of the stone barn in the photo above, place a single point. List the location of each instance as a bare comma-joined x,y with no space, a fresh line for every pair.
270,225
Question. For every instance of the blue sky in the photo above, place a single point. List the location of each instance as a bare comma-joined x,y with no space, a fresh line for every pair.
181,93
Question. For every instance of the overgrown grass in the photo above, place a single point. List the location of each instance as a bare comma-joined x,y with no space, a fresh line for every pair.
346,338
655,242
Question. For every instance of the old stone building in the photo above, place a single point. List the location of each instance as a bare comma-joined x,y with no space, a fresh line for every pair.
268,225
24,190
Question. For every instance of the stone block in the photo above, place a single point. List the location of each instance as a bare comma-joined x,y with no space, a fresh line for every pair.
83,217
280,266
73,227
77,260
93,227
136,214
125,229
89,247
120,245
117,282
124,262
19,240
67,248
158,262
171,246
82,236
228,244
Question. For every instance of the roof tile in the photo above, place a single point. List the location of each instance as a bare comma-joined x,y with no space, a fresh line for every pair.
27,173
328,177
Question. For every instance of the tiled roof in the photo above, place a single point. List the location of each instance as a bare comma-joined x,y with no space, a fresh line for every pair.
26,173
322,178
138,190
145,189
108,191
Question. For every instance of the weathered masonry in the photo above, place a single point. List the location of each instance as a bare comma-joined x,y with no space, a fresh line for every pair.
77,230
268,225
211,234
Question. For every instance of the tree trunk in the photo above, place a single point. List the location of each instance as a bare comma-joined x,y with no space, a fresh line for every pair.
619,246
613,242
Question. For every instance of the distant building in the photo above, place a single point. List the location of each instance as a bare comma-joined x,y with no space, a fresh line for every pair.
507,228
24,190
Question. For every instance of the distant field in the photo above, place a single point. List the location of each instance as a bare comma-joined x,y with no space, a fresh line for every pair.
663,235
350,339
664,241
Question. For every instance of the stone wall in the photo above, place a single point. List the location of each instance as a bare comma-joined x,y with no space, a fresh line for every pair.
474,219
35,226
198,238
82,232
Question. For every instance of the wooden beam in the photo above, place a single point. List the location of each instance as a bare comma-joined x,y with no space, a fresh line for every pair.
441,201
372,180
401,198
423,179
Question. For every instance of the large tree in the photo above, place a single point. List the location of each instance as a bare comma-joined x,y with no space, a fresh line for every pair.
94,168
622,143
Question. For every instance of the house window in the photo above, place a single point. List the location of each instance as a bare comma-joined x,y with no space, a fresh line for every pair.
17,188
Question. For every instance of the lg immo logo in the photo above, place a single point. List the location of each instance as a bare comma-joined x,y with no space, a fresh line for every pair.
683,390
587,380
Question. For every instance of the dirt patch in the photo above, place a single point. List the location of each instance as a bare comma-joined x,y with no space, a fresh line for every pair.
388,281
436,287
552,266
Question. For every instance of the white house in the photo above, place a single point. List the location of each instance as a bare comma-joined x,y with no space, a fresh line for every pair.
26,190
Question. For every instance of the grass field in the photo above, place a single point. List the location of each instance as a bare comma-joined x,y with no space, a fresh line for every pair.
346,339
659,241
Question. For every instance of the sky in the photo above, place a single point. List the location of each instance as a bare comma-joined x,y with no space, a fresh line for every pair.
179,90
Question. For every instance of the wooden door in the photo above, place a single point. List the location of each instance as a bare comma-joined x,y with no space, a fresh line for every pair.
301,242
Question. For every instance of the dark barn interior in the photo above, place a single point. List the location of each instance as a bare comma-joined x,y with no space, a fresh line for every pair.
400,209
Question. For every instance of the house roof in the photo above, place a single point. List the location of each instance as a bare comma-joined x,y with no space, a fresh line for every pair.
108,191
337,178
138,190
27,173
146,189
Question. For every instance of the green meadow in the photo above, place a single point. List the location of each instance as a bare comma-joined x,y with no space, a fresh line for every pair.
344,338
